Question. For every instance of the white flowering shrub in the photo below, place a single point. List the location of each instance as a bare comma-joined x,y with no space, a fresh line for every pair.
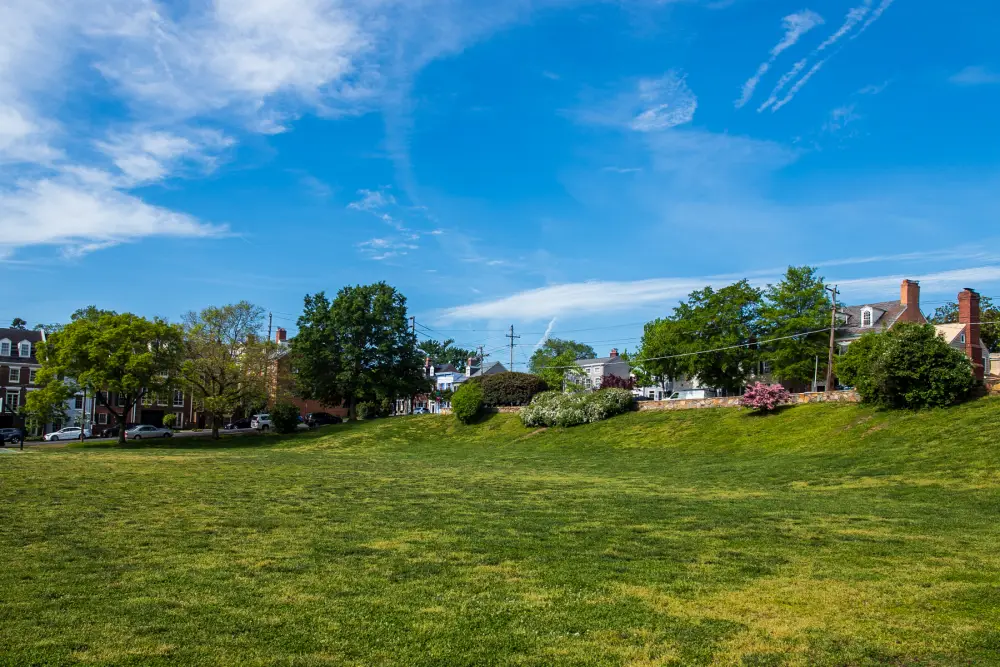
554,408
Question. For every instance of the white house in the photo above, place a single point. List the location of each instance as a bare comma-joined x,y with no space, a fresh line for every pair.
594,370
955,335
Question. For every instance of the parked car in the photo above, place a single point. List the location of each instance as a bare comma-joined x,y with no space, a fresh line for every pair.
12,435
237,424
314,419
112,431
693,393
261,422
68,433
420,411
140,432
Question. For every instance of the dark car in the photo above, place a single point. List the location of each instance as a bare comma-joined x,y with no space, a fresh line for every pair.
11,435
314,419
112,431
237,424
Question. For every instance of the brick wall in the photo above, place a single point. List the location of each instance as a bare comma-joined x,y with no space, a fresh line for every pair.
734,401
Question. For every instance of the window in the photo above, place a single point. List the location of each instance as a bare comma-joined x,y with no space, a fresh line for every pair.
178,399
78,402
13,400
25,349
32,375
179,419
15,375
119,400
147,399
765,367
161,400
962,338
866,318
102,417
5,348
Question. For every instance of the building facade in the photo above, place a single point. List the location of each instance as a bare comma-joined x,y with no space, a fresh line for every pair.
18,372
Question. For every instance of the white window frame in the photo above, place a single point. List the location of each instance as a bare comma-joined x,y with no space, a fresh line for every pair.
102,417
32,375
147,400
5,347
869,315
15,375
161,400
179,419
17,399
20,349
961,338
181,403
78,399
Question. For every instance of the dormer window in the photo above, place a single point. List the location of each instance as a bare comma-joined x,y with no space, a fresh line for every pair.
866,317
25,349
4,348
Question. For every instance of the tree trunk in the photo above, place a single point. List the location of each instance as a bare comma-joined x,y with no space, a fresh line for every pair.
121,427
352,409
215,426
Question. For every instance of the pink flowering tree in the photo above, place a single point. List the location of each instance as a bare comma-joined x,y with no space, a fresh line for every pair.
764,397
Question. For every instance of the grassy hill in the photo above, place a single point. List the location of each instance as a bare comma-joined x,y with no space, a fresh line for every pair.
824,535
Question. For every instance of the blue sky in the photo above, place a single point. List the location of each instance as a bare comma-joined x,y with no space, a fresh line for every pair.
570,167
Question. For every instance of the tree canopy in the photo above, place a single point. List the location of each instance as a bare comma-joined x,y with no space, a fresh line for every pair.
555,362
799,303
18,323
226,359
115,354
356,348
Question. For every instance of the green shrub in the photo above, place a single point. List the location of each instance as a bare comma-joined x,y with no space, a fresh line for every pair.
908,366
555,408
509,388
169,420
467,403
284,417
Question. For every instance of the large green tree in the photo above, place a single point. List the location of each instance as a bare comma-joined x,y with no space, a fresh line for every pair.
797,304
47,404
111,354
444,352
713,336
356,348
555,362
226,359
989,331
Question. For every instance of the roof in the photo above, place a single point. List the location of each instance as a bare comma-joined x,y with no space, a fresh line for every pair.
445,368
17,336
599,362
852,323
497,367
949,331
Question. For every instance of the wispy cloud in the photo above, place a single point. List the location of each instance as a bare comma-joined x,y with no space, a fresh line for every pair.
648,105
795,25
975,75
855,16
548,332
372,200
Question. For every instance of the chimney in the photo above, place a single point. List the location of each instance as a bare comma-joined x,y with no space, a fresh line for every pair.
280,336
969,315
468,366
614,353
909,296
428,367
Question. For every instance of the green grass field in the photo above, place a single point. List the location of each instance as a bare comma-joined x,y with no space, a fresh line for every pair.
824,535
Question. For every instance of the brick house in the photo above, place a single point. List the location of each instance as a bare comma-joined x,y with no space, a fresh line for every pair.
150,411
964,335
18,369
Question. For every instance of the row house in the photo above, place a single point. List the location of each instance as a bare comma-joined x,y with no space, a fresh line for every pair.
18,372
150,410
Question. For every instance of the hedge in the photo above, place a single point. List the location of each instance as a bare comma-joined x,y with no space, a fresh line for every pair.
555,408
285,417
503,389
467,403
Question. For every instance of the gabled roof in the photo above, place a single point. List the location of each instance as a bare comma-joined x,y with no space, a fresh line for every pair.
497,367
599,361
851,317
445,368
951,332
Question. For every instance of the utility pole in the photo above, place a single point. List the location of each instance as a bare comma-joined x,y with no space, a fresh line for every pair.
270,321
833,325
512,339
413,330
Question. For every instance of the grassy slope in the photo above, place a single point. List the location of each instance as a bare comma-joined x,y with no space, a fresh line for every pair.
822,535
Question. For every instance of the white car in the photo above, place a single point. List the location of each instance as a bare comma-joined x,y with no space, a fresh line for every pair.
420,411
140,432
68,433
261,422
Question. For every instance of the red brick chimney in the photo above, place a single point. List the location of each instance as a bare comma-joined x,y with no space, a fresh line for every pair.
428,367
280,336
614,353
909,296
969,315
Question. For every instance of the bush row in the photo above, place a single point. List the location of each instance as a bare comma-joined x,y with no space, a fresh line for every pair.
505,389
554,408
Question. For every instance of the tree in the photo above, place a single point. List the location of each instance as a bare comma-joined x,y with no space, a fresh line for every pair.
47,404
908,366
49,329
110,354
712,336
357,348
18,323
797,304
442,352
555,362
989,314
226,358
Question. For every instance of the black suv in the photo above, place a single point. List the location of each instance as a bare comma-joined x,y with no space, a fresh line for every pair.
11,435
321,419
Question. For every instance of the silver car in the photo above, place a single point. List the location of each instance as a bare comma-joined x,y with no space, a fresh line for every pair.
68,433
140,432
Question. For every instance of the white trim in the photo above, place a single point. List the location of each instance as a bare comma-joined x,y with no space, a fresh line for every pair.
10,346
10,376
20,349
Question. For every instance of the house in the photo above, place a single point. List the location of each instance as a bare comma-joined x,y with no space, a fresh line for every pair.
964,335
594,370
150,411
445,378
855,321
18,370
282,381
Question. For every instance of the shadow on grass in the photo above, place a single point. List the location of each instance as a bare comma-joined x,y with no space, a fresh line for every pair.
206,442
759,414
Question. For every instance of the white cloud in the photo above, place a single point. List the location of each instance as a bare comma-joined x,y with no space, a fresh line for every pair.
648,105
147,156
799,85
372,200
974,75
840,118
796,25
854,16
931,282
548,332
884,5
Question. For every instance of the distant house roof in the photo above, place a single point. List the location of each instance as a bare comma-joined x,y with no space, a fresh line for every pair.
884,315
445,368
949,331
601,361
497,367
18,336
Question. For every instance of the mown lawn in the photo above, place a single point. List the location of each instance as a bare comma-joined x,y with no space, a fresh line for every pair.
825,535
